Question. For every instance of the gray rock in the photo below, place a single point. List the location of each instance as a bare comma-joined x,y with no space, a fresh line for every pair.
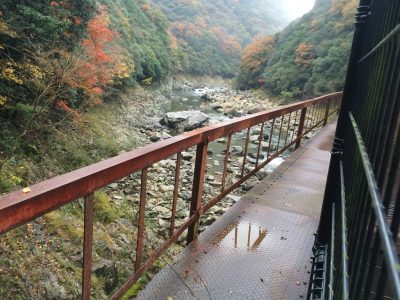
209,220
215,106
206,96
186,196
236,150
54,290
165,136
125,223
155,138
256,109
210,178
106,268
234,112
247,186
182,214
265,145
129,191
185,120
255,138
166,188
187,156
256,131
163,211
233,198
113,185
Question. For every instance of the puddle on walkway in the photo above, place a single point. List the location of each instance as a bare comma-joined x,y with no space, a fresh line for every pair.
241,235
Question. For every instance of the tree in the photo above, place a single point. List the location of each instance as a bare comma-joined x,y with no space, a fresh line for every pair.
304,55
254,60
96,67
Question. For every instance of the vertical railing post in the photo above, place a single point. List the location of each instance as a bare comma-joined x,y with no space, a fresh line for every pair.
142,209
87,246
176,192
327,112
301,127
197,191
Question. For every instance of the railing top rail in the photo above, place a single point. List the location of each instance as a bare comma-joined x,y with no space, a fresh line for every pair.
17,208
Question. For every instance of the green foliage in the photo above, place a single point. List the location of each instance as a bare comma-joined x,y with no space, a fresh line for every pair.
136,287
211,34
311,54
143,32
103,211
43,21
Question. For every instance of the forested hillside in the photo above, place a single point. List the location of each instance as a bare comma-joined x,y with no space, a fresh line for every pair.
308,58
58,57
212,33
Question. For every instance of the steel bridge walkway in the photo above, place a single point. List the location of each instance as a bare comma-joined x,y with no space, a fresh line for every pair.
260,248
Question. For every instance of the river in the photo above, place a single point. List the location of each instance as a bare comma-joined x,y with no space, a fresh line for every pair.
190,99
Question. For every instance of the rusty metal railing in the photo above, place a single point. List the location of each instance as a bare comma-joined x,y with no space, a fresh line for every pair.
287,124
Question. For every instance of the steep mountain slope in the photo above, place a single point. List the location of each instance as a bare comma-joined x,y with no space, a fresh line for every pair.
59,57
211,33
308,58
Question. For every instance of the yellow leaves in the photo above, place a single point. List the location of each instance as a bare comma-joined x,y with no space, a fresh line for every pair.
10,74
257,53
16,179
347,9
147,81
5,30
35,71
3,100
304,55
19,73
123,69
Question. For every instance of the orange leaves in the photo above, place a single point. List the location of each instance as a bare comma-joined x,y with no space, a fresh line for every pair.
304,55
102,60
98,28
347,9
191,29
257,54
146,7
187,29
173,39
227,42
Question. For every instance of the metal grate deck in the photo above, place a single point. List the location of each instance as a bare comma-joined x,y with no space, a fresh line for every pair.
261,248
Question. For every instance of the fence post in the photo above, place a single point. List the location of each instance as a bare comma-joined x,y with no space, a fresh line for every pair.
301,127
328,106
197,191
87,246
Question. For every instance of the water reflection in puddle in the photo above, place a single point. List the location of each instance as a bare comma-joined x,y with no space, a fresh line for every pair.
241,235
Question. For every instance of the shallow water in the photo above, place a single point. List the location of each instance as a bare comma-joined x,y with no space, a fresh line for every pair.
191,100
241,236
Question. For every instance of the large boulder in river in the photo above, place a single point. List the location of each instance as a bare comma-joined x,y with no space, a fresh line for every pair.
184,120
206,97
256,109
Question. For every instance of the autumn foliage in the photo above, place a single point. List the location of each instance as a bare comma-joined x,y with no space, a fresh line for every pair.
304,55
96,67
256,54
255,58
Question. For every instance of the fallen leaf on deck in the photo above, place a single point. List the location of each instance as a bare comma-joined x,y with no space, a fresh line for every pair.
26,190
